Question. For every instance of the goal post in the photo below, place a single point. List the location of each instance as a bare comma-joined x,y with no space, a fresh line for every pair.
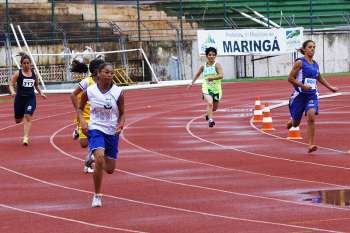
130,66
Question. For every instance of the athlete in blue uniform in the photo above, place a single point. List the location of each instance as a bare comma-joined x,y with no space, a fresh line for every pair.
25,101
106,122
304,99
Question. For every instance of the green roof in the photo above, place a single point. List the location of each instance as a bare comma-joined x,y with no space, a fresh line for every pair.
211,13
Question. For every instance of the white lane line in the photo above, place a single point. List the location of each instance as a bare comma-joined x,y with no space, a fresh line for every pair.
263,155
257,154
68,219
192,186
38,119
294,141
169,207
216,166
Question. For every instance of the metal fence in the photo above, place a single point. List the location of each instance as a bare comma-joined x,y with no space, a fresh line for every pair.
175,35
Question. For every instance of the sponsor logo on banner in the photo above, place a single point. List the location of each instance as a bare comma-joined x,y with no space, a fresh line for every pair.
209,42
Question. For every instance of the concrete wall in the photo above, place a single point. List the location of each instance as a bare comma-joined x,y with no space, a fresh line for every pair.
332,54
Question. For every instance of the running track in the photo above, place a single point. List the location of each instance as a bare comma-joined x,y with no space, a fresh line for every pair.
174,174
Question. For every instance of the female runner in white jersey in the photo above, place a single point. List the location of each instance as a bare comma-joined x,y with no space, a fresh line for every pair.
106,122
211,87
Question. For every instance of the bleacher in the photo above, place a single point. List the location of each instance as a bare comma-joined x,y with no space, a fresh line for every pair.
222,14
39,27
75,20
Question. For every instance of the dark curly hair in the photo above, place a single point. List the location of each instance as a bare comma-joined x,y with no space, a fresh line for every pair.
94,64
210,49
79,67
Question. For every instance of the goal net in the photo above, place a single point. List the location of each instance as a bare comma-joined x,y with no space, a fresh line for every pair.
60,72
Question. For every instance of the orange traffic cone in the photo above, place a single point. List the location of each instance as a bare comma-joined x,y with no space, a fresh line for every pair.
294,133
267,119
258,114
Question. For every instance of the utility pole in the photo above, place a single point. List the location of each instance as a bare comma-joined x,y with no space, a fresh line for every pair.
7,16
311,20
53,17
138,20
96,21
181,13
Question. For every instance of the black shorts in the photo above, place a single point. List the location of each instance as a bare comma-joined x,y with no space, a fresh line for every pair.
24,105
215,96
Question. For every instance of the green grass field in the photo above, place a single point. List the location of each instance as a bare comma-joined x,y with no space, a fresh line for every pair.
327,75
5,100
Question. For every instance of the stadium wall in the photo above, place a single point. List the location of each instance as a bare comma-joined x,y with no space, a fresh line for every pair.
160,54
332,55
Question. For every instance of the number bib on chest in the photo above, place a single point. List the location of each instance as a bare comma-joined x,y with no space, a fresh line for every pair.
310,82
28,82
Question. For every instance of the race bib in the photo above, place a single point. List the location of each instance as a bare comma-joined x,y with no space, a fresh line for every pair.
210,83
311,82
103,115
28,82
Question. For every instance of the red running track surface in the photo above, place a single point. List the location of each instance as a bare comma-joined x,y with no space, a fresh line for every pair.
174,174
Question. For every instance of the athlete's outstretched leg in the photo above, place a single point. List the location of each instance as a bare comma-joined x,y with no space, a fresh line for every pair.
109,165
311,130
99,167
215,106
26,128
293,123
209,100
18,120
210,107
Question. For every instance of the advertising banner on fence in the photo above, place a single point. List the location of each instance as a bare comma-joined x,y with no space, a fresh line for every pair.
251,41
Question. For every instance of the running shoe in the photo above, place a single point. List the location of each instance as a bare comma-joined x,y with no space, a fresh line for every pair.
25,141
206,118
96,200
75,134
88,169
211,123
88,163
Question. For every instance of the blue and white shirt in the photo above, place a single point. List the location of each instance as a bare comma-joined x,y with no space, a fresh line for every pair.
104,112
308,75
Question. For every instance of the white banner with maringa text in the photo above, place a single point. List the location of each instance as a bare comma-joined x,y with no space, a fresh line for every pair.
251,41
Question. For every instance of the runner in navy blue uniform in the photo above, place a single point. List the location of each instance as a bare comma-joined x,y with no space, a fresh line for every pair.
304,77
25,102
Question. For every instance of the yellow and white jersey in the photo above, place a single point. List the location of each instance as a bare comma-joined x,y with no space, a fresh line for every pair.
84,84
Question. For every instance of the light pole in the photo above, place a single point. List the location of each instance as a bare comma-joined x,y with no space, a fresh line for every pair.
138,20
96,21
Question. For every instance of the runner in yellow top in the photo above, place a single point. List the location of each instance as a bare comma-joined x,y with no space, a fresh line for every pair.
211,87
75,97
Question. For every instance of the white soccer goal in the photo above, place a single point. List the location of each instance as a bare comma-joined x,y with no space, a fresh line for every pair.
130,67
54,69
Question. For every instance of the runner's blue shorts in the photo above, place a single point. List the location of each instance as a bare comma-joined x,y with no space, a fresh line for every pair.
99,140
24,105
300,103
